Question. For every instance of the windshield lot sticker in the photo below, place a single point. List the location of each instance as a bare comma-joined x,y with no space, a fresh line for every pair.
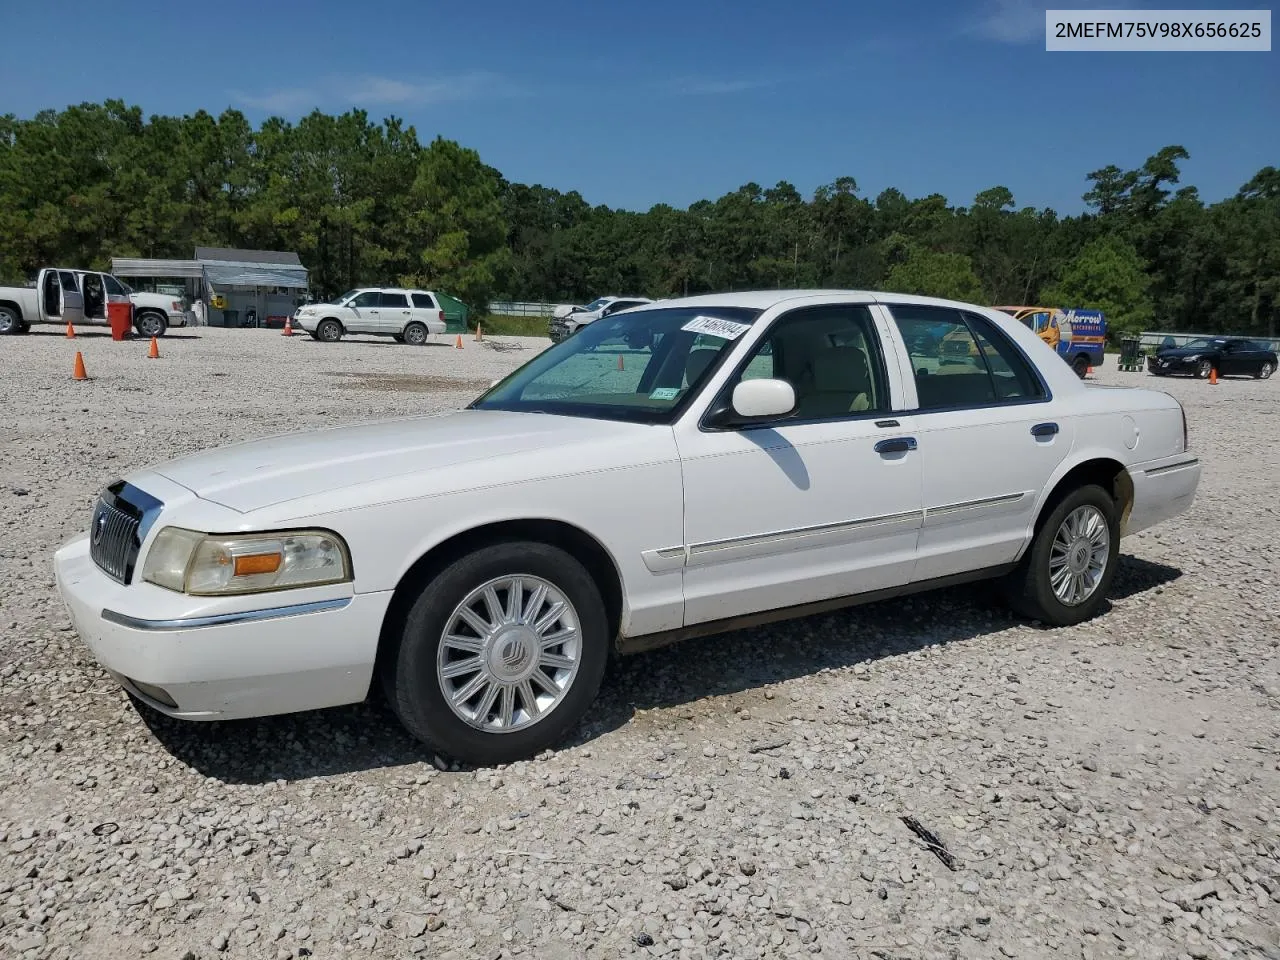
664,393
715,327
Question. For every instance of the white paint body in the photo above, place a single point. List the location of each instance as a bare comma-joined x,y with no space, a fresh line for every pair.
700,525
28,299
363,313
64,304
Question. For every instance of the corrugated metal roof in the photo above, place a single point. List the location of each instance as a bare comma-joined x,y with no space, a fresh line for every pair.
228,255
249,275
139,267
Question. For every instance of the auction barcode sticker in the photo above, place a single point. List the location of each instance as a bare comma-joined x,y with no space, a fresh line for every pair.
1135,31
715,327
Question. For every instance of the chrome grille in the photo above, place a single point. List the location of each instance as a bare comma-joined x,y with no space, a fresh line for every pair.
116,531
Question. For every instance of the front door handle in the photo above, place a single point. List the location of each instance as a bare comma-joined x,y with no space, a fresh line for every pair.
896,445
1044,430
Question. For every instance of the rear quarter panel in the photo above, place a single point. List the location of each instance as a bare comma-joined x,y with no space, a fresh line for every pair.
26,299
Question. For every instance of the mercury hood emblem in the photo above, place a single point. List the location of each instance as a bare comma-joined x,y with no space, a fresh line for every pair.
99,526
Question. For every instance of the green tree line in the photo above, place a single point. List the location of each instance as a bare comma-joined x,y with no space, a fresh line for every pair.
365,203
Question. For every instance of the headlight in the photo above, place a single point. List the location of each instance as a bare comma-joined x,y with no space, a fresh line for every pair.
307,312
207,566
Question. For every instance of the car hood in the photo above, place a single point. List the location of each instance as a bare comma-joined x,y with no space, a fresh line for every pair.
1180,353
260,473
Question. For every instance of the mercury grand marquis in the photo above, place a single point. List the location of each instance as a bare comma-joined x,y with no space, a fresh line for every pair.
684,468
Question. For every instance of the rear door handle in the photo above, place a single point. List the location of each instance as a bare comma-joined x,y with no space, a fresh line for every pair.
1044,430
896,445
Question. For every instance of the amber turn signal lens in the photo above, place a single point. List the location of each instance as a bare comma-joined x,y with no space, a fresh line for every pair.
254,563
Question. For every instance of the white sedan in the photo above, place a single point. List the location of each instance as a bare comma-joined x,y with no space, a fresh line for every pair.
754,456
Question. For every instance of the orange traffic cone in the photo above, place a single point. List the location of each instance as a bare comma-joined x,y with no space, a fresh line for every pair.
1213,375
78,372
458,342
1089,371
71,331
288,327
154,352
620,366
479,334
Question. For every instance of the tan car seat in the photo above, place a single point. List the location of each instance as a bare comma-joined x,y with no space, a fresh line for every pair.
841,383
696,363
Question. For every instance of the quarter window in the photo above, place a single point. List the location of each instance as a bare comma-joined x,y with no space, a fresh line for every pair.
831,357
424,300
962,360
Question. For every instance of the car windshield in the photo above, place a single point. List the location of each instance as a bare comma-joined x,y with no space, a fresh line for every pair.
596,304
1201,343
345,297
637,366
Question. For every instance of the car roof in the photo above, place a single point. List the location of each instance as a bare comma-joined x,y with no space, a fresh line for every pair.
765,299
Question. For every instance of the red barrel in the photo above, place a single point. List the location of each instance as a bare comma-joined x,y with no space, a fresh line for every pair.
120,315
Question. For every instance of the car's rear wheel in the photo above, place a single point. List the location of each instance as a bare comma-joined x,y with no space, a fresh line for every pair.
1064,576
415,334
501,653
1204,368
1081,366
1265,371
329,331
10,322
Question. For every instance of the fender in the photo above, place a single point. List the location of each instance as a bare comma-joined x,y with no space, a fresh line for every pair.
473,522
1075,458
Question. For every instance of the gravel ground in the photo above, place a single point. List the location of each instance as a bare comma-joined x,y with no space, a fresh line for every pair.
1111,789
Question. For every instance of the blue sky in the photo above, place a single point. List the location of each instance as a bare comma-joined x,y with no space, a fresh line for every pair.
671,101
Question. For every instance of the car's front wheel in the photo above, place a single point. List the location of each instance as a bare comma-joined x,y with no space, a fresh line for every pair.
1064,576
1265,371
149,323
329,331
415,334
501,654
1204,368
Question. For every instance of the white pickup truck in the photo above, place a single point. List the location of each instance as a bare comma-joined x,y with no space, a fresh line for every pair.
61,295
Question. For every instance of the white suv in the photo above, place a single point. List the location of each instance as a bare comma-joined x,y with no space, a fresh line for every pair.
410,316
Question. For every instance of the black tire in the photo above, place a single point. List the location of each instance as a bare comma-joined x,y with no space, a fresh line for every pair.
329,331
11,321
409,674
1028,589
415,334
1081,366
1203,369
1265,371
151,323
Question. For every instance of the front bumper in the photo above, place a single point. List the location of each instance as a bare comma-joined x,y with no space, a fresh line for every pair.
558,330
234,657
1169,365
308,324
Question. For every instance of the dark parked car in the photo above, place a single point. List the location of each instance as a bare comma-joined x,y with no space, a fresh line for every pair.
1230,355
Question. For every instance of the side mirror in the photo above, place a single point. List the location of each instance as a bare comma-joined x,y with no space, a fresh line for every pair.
758,401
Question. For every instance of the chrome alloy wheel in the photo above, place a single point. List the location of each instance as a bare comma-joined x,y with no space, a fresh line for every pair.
509,654
1078,556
